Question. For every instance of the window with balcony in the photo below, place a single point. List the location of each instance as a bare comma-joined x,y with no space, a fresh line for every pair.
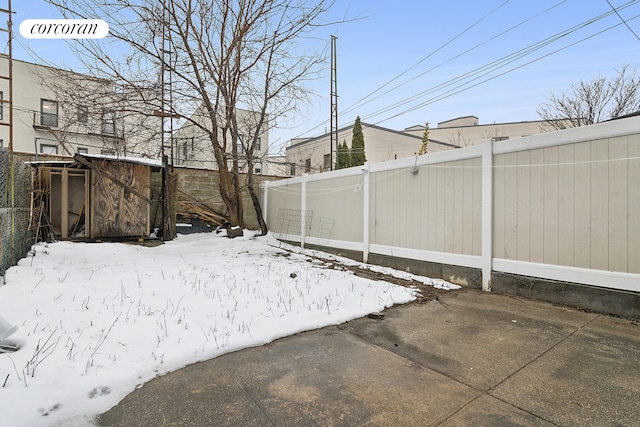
48,113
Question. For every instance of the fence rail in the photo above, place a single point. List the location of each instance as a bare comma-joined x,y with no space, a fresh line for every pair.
561,206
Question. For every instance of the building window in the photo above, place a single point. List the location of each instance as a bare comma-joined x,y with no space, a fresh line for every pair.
258,144
1,143
257,170
48,113
307,165
1,105
327,162
108,123
48,149
186,148
292,169
240,144
108,152
83,114
83,151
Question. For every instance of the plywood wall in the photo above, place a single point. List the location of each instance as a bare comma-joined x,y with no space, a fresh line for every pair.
116,211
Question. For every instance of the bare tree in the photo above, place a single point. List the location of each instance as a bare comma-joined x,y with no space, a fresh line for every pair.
219,56
458,139
593,101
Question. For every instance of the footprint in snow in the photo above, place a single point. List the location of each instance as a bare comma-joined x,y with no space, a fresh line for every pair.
46,412
101,391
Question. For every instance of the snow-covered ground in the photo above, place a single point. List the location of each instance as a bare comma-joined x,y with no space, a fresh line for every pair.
98,320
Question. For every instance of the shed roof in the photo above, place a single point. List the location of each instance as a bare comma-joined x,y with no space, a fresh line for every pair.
138,160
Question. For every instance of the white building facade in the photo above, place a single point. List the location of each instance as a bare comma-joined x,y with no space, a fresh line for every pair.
61,112
312,155
467,131
192,145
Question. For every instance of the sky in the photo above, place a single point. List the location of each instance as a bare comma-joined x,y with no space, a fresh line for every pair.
95,321
405,63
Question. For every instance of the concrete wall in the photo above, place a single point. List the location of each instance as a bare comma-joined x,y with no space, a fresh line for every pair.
560,207
203,185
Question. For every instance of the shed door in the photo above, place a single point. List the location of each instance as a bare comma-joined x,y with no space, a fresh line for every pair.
69,202
116,211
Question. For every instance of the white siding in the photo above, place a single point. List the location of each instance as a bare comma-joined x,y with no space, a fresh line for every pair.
565,205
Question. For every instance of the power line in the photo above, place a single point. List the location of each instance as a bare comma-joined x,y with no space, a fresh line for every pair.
622,19
413,66
357,103
481,71
495,65
461,87
460,54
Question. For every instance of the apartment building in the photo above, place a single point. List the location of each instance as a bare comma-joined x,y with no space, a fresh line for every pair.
193,147
312,155
62,112
467,131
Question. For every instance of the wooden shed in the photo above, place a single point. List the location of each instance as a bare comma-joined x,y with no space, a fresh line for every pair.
96,196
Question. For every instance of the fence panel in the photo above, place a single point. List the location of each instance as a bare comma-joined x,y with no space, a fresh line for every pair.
337,206
432,207
568,205
563,206
15,238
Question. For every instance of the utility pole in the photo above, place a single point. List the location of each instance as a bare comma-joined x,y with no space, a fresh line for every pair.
168,225
9,78
334,102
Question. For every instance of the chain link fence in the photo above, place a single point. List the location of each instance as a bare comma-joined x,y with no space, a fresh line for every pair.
15,236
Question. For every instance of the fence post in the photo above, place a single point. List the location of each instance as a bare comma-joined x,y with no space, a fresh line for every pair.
366,209
487,214
303,209
265,189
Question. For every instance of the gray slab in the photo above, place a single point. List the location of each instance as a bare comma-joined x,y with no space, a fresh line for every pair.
471,359
202,394
324,377
489,411
591,378
477,338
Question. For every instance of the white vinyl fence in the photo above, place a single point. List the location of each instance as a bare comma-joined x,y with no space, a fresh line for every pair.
562,206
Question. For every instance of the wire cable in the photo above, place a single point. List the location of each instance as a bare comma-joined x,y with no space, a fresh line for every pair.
622,19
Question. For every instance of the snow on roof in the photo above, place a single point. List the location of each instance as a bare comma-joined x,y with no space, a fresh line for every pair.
139,160
50,162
